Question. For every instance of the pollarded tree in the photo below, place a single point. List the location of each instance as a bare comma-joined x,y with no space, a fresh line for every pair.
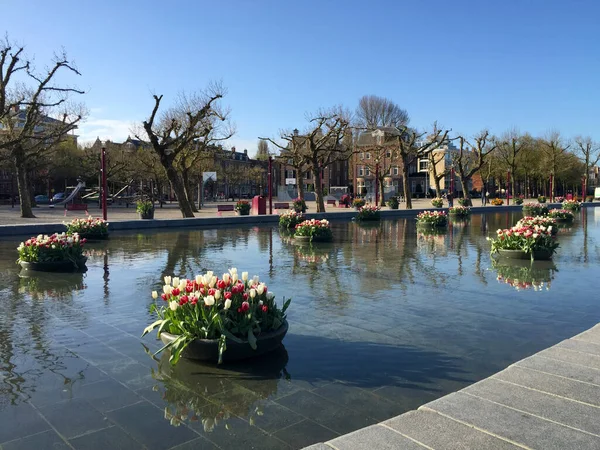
374,111
262,153
510,145
553,149
191,119
471,157
35,112
589,153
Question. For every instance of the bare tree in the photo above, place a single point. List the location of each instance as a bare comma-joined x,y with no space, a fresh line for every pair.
468,161
35,112
374,111
263,153
510,145
434,158
589,153
382,159
192,119
554,150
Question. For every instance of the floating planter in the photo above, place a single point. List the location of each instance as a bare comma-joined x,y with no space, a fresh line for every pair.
535,209
242,208
460,212
88,228
540,221
368,213
216,319
288,220
313,230
432,219
561,215
525,242
55,253
572,205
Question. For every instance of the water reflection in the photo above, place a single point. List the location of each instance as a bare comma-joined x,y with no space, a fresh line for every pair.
40,285
536,275
196,392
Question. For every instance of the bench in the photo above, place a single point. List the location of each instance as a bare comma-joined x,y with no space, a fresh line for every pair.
225,208
76,207
281,205
331,202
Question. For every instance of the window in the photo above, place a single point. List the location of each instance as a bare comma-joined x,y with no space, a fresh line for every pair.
362,155
360,171
308,175
290,161
368,155
395,170
388,154
423,165
367,171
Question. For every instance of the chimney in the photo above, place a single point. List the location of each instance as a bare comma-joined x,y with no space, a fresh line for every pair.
245,151
295,131
232,149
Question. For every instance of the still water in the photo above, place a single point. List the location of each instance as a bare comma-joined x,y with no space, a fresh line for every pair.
382,320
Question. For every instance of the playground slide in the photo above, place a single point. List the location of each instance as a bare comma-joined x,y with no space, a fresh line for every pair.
79,186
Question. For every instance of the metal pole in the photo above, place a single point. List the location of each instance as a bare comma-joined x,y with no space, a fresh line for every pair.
583,189
270,181
377,184
508,188
104,186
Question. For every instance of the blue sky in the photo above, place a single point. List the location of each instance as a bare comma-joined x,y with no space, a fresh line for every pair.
531,64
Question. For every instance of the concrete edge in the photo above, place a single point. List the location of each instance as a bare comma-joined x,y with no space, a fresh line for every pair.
211,222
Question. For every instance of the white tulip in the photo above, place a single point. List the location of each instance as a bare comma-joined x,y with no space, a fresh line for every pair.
182,286
232,271
173,305
260,289
167,289
168,280
234,278
227,304
212,282
217,294
198,279
175,281
226,277
255,279
252,293
270,295
245,276
209,301
260,303
154,295
209,274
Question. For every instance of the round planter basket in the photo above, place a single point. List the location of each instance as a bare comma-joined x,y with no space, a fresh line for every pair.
539,255
147,215
55,266
208,349
563,220
93,236
314,239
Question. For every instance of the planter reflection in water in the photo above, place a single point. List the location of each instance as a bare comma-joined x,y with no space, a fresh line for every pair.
40,285
196,392
313,254
521,275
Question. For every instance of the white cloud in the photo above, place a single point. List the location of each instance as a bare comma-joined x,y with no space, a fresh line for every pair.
115,130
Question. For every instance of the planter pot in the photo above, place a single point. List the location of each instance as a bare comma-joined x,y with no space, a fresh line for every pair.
541,255
208,349
93,237
243,213
54,266
563,220
147,215
314,239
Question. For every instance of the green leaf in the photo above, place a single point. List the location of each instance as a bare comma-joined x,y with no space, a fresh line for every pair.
151,327
286,304
251,339
232,337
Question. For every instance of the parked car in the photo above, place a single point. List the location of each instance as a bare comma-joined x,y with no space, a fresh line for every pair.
58,197
41,199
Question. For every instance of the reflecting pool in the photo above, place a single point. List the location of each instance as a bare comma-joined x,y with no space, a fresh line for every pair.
383,320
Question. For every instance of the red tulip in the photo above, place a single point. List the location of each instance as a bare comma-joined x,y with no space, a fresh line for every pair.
193,300
175,291
227,295
189,288
221,284
265,308
245,306
164,297
211,292
183,300
245,296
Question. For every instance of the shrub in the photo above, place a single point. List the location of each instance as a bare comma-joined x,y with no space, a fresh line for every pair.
464,201
144,206
242,207
299,205
393,203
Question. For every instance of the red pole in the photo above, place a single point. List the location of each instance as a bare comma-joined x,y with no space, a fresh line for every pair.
270,181
377,185
583,189
452,181
508,188
104,186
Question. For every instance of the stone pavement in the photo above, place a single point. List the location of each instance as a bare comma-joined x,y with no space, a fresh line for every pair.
549,401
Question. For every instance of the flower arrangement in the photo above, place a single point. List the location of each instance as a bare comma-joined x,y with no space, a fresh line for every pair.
459,211
572,205
563,215
542,199
368,213
464,201
528,239
519,200
242,207
393,203
88,227
497,202
53,248
358,203
314,230
437,202
432,218
539,221
559,199
145,208
299,205
290,219
209,307
524,277
535,209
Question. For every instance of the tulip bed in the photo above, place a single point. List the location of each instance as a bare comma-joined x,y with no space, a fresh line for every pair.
527,238
209,307
459,211
535,209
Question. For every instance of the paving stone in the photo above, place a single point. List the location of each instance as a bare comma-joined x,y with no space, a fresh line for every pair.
561,368
553,384
196,444
23,420
571,356
47,440
108,395
374,437
305,433
580,346
512,425
437,431
110,438
591,335
319,446
567,412
73,418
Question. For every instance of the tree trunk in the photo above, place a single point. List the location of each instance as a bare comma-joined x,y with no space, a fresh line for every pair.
189,191
300,184
22,185
463,185
405,185
318,188
176,182
436,182
381,189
